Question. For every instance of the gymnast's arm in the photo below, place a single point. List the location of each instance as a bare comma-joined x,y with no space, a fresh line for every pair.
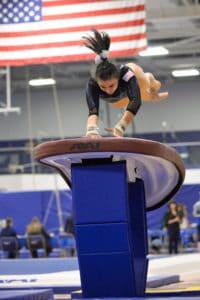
134,96
92,98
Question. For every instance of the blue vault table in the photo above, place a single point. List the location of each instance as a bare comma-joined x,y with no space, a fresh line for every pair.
114,181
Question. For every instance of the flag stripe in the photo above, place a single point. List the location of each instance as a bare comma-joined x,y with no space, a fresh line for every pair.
73,29
71,36
94,6
70,49
69,58
59,33
94,13
67,43
63,2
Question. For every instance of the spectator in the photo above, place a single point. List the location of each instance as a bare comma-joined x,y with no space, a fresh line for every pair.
69,229
172,221
196,214
184,222
9,231
69,225
36,228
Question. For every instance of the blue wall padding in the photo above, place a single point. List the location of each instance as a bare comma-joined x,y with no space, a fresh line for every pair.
23,206
111,275
97,238
94,190
138,229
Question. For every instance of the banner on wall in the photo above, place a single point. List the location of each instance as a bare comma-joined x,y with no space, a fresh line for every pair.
46,31
23,206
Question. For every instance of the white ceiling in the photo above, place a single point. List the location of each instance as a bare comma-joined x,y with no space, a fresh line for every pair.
174,24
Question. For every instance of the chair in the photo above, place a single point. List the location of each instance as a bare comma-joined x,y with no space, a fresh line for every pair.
36,242
68,244
10,245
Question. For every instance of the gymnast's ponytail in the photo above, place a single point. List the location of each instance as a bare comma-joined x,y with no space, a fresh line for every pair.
100,44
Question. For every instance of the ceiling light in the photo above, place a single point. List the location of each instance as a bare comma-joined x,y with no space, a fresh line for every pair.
184,155
42,81
154,51
185,73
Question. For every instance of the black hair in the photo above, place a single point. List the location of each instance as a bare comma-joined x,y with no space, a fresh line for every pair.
100,43
8,222
172,202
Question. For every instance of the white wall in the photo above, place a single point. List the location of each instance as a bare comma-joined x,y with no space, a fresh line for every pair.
180,111
22,182
28,182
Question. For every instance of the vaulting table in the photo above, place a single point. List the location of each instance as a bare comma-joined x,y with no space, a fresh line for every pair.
114,181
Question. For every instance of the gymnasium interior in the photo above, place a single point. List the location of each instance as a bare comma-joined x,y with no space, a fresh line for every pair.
42,144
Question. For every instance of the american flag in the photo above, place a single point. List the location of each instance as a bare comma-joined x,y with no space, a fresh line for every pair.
49,31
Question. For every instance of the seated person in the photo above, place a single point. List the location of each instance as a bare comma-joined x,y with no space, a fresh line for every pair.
69,229
69,225
36,228
196,214
9,231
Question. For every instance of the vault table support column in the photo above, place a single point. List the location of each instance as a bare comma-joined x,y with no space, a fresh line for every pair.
110,228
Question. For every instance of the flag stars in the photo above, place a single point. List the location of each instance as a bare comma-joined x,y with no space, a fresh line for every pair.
19,11
31,13
37,8
16,19
5,11
10,14
37,18
27,19
21,14
26,8
10,5
15,9
5,20
21,4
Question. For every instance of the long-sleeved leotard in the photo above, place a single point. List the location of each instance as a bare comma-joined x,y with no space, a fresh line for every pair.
128,89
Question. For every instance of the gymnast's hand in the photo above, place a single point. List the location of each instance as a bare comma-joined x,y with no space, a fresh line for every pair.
153,95
159,96
114,132
92,136
92,131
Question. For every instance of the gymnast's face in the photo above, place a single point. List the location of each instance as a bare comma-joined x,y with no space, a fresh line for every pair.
109,86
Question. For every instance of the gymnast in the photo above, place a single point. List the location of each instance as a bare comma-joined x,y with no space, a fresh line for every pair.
123,86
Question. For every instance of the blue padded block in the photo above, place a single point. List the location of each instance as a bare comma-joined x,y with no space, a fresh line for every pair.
96,238
138,231
39,294
99,193
107,275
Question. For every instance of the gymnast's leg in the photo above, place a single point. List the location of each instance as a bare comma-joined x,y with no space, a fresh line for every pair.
149,85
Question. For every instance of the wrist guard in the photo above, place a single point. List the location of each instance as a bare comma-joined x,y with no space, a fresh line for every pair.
92,130
121,126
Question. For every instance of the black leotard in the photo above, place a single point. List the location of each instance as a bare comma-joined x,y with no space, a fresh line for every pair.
128,87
